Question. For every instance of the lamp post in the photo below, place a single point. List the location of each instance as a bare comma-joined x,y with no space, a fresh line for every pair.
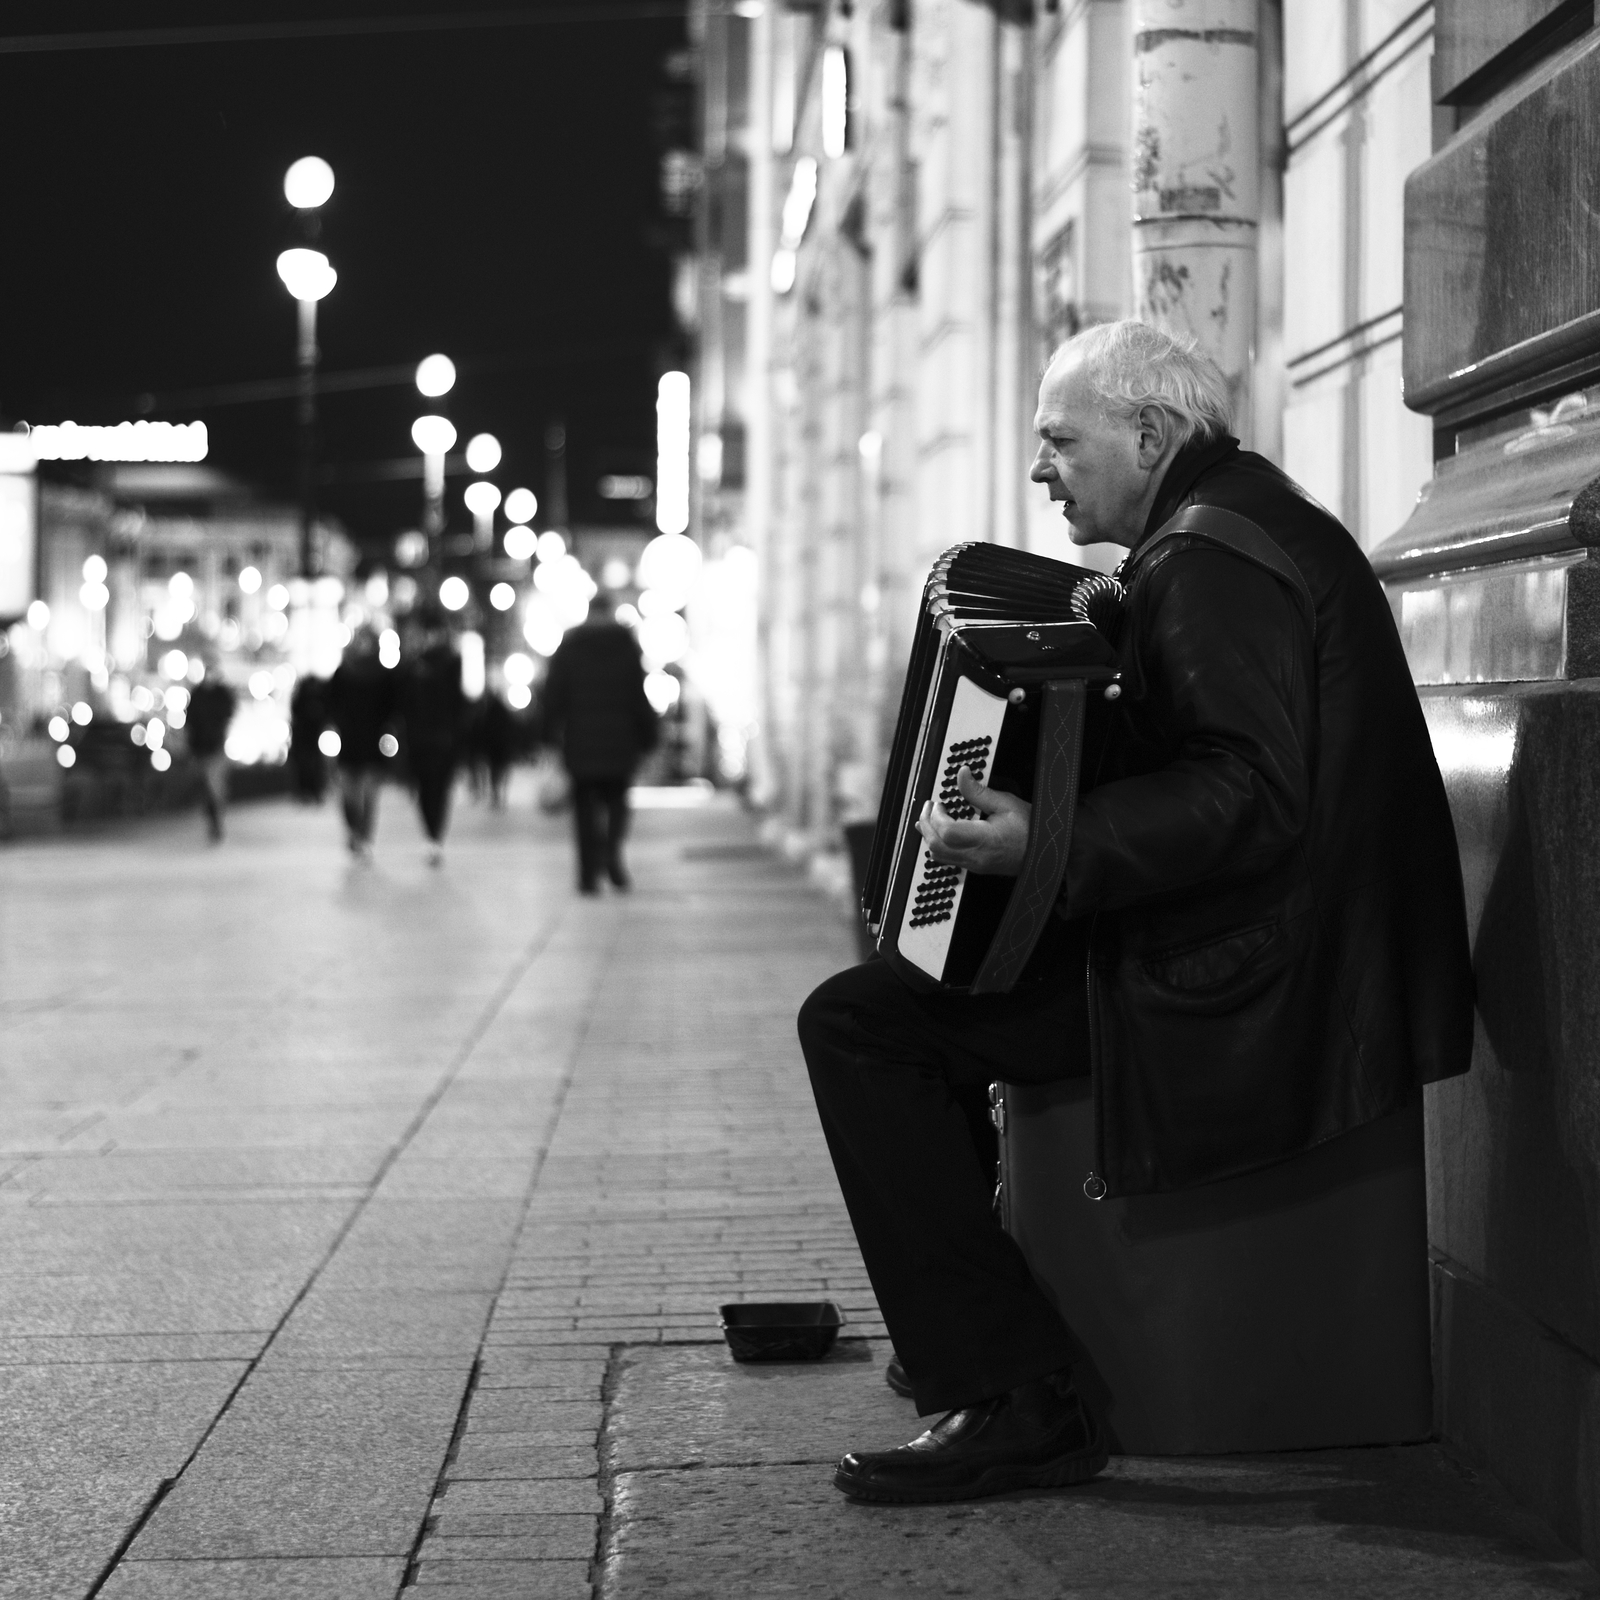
435,437
482,498
308,276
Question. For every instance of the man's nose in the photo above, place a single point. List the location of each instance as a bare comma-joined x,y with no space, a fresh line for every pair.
1043,469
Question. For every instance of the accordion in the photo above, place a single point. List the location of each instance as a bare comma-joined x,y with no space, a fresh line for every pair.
1006,648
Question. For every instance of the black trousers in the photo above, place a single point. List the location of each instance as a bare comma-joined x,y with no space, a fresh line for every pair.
889,1068
434,768
600,821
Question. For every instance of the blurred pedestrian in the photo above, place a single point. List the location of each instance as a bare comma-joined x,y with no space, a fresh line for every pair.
433,707
359,703
494,743
308,716
595,709
206,718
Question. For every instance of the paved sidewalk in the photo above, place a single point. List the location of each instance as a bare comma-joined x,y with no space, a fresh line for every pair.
363,1229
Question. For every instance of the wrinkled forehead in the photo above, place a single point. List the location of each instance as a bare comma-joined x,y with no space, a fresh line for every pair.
1066,398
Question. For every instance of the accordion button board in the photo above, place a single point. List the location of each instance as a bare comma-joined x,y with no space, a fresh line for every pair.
970,735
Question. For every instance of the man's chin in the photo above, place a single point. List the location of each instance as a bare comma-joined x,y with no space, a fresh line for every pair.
1080,533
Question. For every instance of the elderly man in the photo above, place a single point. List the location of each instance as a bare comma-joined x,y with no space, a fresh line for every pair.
1262,911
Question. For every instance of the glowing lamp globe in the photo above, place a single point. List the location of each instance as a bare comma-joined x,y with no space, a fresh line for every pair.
521,541
481,498
433,436
454,594
670,563
308,183
483,452
436,375
521,504
306,274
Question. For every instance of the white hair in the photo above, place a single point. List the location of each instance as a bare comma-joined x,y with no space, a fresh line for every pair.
1131,364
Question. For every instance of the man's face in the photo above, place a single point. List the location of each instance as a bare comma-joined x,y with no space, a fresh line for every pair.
1091,462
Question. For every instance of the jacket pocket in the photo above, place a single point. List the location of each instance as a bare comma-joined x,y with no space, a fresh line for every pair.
1206,1053
1220,974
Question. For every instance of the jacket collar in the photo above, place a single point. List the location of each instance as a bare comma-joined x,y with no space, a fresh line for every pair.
1189,465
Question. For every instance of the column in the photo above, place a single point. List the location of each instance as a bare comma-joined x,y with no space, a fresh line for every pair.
1196,178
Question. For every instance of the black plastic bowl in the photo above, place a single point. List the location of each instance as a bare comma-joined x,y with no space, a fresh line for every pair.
781,1330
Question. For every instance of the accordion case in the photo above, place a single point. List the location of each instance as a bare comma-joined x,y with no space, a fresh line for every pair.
1007,649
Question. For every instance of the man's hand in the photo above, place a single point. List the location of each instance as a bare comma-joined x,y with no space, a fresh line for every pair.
994,845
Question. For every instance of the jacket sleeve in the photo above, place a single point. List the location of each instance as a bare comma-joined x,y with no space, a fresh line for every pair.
1224,668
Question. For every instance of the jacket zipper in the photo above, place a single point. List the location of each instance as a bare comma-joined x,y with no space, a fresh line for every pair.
1094,1186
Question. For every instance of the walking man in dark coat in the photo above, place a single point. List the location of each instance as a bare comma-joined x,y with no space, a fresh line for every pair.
359,701
434,707
596,711
1262,914
212,703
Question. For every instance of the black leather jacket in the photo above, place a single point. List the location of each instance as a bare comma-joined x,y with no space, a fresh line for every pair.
1266,861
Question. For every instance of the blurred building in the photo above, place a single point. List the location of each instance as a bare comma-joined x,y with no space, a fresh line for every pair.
147,577
1379,217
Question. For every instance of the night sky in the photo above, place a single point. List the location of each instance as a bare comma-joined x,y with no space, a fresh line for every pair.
497,200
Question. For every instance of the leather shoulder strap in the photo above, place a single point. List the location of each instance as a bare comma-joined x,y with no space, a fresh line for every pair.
1055,799
1244,538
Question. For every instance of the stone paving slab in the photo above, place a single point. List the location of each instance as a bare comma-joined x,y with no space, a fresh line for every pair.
505,1580
308,1579
86,1447
311,1464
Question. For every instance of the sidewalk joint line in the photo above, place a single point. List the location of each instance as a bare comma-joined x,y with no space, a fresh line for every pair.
605,1482
497,1000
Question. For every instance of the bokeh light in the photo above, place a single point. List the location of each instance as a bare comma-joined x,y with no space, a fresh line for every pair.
454,593
520,542
502,597
521,504
436,375
308,183
483,453
433,435
481,498
661,689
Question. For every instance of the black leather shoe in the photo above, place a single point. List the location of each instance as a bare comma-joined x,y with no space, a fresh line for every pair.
895,1376
1038,1436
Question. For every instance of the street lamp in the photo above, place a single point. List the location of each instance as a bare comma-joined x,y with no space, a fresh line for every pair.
482,499
308,276
435,437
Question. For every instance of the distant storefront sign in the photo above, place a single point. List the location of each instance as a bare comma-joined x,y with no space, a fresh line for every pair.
126,441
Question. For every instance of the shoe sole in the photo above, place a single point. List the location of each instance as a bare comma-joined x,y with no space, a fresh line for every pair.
997,1480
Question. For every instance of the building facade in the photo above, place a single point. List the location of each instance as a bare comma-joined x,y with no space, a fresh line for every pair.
1378,217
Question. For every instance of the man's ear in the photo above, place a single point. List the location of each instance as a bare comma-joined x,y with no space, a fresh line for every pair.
1155,434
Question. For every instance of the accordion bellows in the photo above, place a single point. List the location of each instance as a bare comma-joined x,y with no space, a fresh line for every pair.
1005,648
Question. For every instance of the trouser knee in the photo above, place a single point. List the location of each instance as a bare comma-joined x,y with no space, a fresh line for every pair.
824,1023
